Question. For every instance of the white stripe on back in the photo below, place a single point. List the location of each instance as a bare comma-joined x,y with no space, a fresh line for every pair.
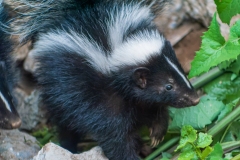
74,43
136,50
125,17
130,51
179,72
5,102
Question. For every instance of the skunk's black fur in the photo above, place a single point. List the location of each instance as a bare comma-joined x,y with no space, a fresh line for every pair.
9,117
105,70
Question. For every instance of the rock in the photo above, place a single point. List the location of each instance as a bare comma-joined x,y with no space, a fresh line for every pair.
52,151
28,109
16,145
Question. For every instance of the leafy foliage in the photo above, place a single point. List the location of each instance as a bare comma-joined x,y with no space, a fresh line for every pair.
44,135
214,49
231,66
217,153
198,116
233,133
212,41
193,145
166,156
223,88
218,111
227,9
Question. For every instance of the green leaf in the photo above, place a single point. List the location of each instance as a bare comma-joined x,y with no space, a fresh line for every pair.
206,152
228,137
235,130
232,66
187,147
228,155
223,88
212,41
166,156
217,153
194,146
233,133
227,9
234,35
188,135
197,116
203,140
234,76
214,50
234,38
227,109
187,155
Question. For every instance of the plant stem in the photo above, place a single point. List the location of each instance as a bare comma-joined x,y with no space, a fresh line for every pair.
225,132
207,77
229,146
225,121
162,148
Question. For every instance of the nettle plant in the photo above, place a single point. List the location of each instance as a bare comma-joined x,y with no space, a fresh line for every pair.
216,67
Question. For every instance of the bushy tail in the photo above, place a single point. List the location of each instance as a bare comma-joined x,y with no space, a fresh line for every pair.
35,16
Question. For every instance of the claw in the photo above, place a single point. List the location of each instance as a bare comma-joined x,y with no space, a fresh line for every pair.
162,139
152,141
155,141
150,129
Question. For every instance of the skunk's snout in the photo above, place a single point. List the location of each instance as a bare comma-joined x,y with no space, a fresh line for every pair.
194,99
188,100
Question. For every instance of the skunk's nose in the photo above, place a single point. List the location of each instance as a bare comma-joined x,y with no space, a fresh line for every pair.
196,101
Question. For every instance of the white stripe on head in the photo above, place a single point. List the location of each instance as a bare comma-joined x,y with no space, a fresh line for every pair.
179,72
137,49
5,102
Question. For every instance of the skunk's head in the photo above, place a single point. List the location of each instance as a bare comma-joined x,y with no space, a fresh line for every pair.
9,118
162,80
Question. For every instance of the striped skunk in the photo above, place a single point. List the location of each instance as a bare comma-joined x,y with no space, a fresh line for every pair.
104,70
9,118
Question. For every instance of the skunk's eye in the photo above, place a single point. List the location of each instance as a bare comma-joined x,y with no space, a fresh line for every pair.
168,87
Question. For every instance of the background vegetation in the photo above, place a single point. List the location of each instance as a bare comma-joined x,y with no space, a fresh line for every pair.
211,130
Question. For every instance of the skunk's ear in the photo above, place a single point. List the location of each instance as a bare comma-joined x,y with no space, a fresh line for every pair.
140,76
